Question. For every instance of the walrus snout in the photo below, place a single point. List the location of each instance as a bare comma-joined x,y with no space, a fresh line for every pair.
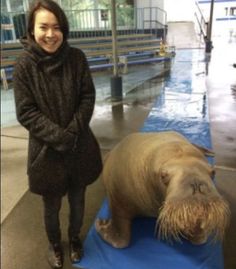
199,187
198,239
195,219
198,234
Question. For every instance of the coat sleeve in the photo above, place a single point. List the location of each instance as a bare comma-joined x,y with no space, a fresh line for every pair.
30,116
85,107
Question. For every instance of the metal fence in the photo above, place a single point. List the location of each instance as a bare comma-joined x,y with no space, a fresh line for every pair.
201,23
93,22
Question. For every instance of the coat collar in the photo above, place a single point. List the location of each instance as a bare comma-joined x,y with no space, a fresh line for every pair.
48,61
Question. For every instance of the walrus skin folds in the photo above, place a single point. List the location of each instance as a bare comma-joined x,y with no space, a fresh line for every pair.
162,175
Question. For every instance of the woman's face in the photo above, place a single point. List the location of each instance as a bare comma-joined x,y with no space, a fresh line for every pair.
47,32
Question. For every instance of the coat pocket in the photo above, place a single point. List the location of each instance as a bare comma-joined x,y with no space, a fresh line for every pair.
39,158
86,163
47,174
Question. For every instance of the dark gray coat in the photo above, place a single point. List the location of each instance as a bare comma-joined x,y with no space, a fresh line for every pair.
55,97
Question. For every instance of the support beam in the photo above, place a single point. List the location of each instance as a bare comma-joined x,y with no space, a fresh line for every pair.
208,41
116,80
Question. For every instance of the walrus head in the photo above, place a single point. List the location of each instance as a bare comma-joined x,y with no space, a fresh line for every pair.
193,209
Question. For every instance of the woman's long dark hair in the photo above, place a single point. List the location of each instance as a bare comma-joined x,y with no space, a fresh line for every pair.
53,7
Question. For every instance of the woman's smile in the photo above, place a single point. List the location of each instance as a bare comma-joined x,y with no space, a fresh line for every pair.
47,32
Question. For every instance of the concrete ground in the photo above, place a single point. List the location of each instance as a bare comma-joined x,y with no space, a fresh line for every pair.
24,243
221,81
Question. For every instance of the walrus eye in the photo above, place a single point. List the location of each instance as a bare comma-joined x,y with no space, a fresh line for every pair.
165,177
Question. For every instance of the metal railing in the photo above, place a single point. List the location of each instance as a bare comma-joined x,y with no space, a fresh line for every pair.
201,22
93,22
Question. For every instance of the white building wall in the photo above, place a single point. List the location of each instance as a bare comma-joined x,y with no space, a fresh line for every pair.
177,10
224,24
181,10
149,3
150,12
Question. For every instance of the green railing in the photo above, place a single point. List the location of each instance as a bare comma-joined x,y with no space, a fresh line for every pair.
93,22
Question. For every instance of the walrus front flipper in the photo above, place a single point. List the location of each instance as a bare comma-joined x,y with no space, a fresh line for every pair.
115,231
204,150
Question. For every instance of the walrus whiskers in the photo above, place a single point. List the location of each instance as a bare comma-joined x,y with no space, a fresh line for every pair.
178,217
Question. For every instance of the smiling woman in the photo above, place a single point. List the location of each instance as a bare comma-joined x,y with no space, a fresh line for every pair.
47,31
55,97
47,25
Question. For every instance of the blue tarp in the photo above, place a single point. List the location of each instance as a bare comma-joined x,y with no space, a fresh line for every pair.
182,106
145,251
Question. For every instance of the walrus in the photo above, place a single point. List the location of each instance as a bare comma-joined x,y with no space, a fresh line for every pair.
162,175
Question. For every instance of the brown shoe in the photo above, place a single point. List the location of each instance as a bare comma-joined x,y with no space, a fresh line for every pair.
55,256
76,251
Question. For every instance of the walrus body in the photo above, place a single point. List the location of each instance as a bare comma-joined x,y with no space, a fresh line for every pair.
161,175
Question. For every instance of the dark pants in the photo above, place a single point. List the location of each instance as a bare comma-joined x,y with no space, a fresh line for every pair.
52,206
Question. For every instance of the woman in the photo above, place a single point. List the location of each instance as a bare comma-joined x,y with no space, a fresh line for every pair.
55,97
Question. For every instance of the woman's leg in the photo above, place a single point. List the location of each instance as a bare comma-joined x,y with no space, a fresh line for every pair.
76,198
52,206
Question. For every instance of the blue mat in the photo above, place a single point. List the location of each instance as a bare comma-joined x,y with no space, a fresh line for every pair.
182,106
145,251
